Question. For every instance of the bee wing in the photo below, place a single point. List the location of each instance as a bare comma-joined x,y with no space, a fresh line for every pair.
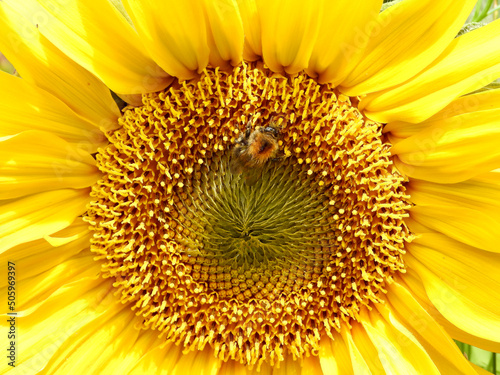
240,160
253,175
235,166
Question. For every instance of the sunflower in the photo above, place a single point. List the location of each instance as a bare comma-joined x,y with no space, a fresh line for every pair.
241,186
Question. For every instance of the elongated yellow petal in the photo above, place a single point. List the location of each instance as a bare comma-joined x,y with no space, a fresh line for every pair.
310,365
452,113
39,62
413,283
398,350
475,260
134,352
38,288
475,227
393,140
27,107
437,343
452,150
289,31
170,360
98,348
174,33
416,227
454,278
364,356
411,34
38,215
81,303
38,256
334,356
345,29
96,35
470,62
235,368
202,362
35,161
251,25
481,193
159,360
226,36
287,367
479,370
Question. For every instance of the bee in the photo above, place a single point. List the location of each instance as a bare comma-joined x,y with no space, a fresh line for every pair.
253,149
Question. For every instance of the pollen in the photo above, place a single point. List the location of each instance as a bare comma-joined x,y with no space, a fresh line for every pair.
262,271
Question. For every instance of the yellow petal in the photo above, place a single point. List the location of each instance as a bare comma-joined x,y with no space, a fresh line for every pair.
364,356
452,150
483,101
172,361
410,36
480,370
414,284
251,25
38,256
437,343
334,356
174,33
39,62
26,107
416,227
235,368
345,27
202,362
134,352
458,280
160,360
96,35
481,193
310,366
35,161
475,227
66,312
38,215
226,36
475,260
289,31
470,62
288,366
393,140
398,350
39,287
102,347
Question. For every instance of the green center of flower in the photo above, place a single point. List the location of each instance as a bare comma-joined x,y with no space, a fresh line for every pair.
281,219
262,260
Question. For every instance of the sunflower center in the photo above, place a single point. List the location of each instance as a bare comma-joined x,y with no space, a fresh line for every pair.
223,230
264,219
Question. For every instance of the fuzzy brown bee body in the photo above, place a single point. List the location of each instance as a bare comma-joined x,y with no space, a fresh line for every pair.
253,149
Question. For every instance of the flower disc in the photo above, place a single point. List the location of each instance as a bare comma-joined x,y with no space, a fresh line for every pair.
257,270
